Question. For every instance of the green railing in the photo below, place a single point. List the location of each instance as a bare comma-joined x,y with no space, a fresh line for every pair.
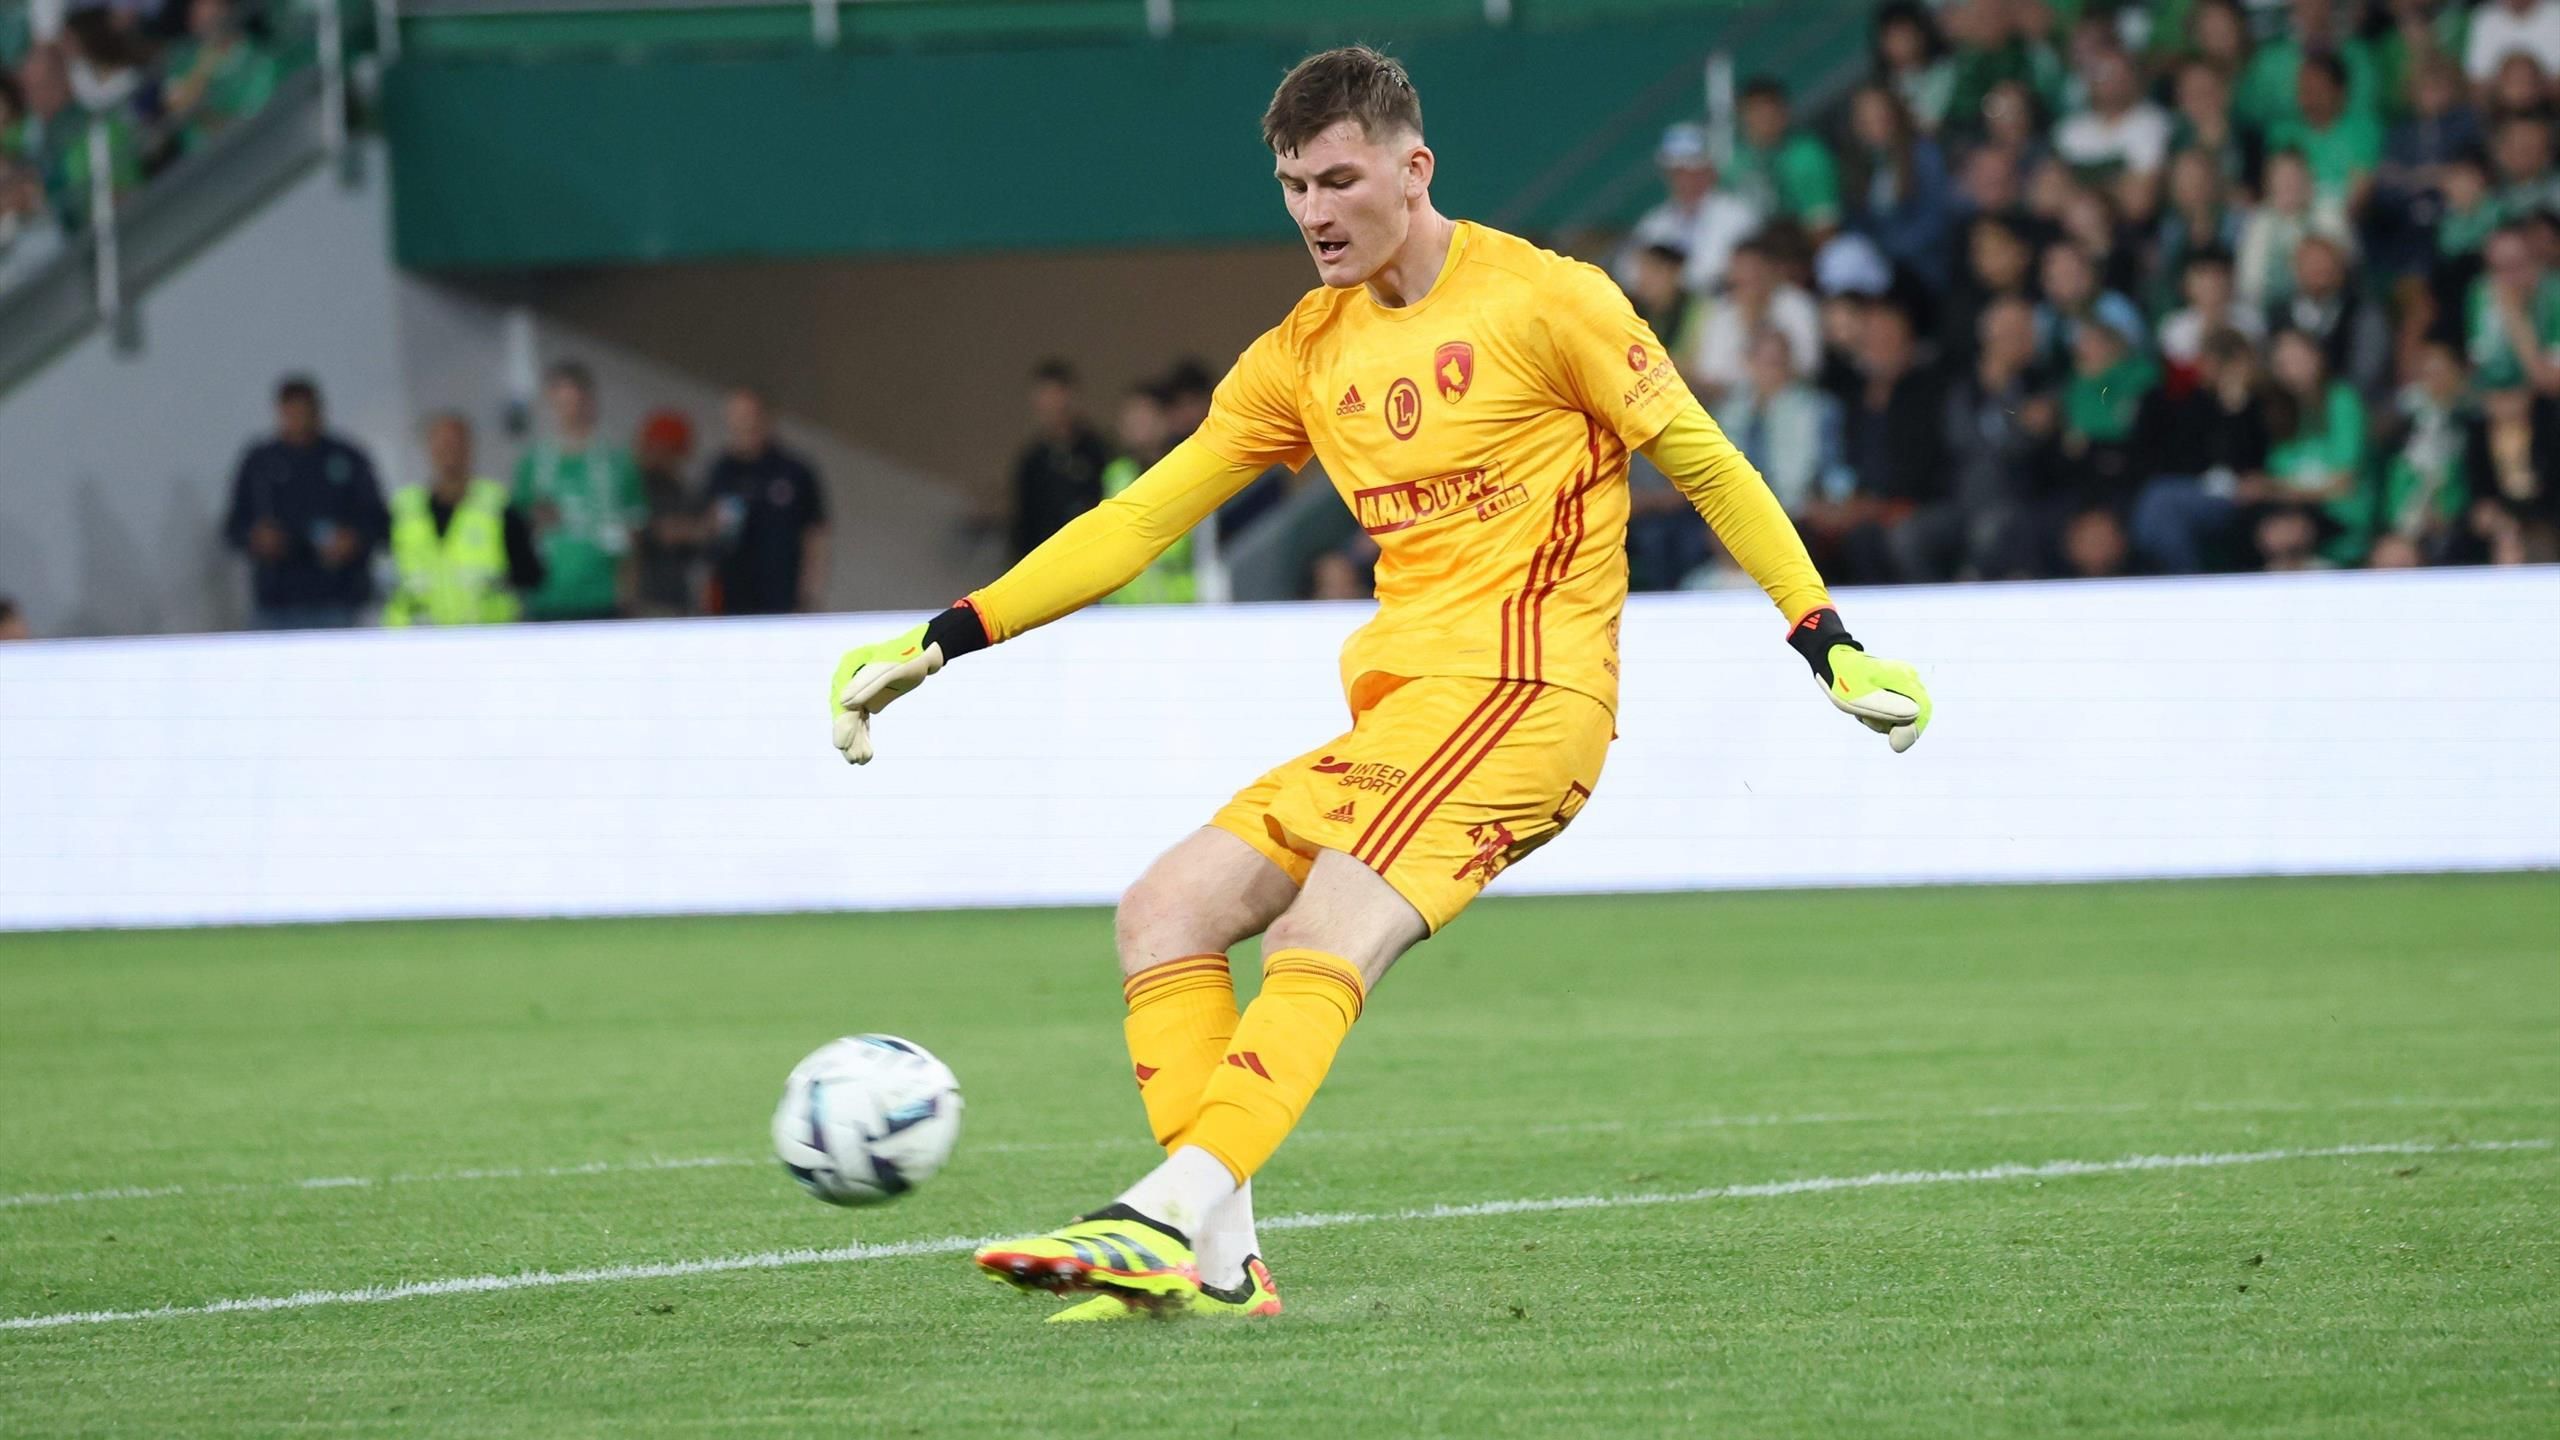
527,28
534,159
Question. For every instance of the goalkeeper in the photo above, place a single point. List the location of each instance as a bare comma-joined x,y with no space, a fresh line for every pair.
1474,399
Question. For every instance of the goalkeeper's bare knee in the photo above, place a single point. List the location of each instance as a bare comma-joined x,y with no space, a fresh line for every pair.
1350,911
1201,897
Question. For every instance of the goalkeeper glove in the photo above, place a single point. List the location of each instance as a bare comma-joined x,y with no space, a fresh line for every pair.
871,676
1885,695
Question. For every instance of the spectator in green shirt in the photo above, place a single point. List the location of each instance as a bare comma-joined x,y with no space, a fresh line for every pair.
53,135
2318,511
586,499
1783,171
75,186
217,75
2425,488
1998,43
2095,481
2514,317
2166,41
2103,396
2266,97
2421,33
2342,144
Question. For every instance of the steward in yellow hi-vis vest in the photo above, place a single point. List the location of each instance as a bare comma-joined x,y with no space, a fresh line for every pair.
1169,579
462,553
1145,434
1474,400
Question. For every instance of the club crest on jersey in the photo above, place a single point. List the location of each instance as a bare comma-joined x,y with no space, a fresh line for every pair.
1404,408
1453,369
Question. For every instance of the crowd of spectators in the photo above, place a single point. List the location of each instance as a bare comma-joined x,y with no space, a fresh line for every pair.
585,528
156,79
2067,289
2077,289
2088,290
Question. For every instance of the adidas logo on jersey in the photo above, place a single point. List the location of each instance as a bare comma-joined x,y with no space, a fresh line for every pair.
1351,404
1340,814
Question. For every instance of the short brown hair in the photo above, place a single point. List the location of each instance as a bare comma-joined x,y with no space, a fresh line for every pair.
1353,83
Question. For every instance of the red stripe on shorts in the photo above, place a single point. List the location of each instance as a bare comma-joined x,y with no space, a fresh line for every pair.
1489,737
1384,816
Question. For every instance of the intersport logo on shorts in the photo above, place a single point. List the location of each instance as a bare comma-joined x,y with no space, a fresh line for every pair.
1361,774
1385,509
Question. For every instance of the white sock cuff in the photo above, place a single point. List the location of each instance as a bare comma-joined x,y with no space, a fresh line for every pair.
1183,1192
1228,1241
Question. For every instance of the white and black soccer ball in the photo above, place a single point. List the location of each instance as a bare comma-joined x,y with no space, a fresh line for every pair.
866,1118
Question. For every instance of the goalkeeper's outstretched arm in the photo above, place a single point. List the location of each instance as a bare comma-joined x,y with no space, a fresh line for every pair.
1112,544
1729,492
1091,556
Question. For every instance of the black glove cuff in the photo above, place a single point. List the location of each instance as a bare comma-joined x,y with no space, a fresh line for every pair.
1814,636
957,630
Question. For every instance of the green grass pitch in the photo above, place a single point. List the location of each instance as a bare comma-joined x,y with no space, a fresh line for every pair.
325,1109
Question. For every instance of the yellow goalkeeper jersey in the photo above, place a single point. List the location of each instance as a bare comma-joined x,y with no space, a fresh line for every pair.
1480,436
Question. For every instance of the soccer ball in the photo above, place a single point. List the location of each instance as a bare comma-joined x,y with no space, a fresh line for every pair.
866,1118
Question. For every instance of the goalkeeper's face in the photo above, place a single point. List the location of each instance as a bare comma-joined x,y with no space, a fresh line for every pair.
1354,197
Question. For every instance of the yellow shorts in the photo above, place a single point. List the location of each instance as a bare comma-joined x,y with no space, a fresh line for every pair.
1440,784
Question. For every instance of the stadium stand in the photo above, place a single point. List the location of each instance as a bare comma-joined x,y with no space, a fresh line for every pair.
2021,241
138,86
2029,290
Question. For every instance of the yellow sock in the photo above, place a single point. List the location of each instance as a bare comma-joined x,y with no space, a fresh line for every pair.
1282,1048
1181,1015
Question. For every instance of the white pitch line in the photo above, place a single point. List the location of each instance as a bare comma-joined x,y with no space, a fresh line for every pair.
368,1182
1881,1179
1389,1135
952,1245
120,1192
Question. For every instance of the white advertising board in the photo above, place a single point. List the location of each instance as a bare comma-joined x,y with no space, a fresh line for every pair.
2247,725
